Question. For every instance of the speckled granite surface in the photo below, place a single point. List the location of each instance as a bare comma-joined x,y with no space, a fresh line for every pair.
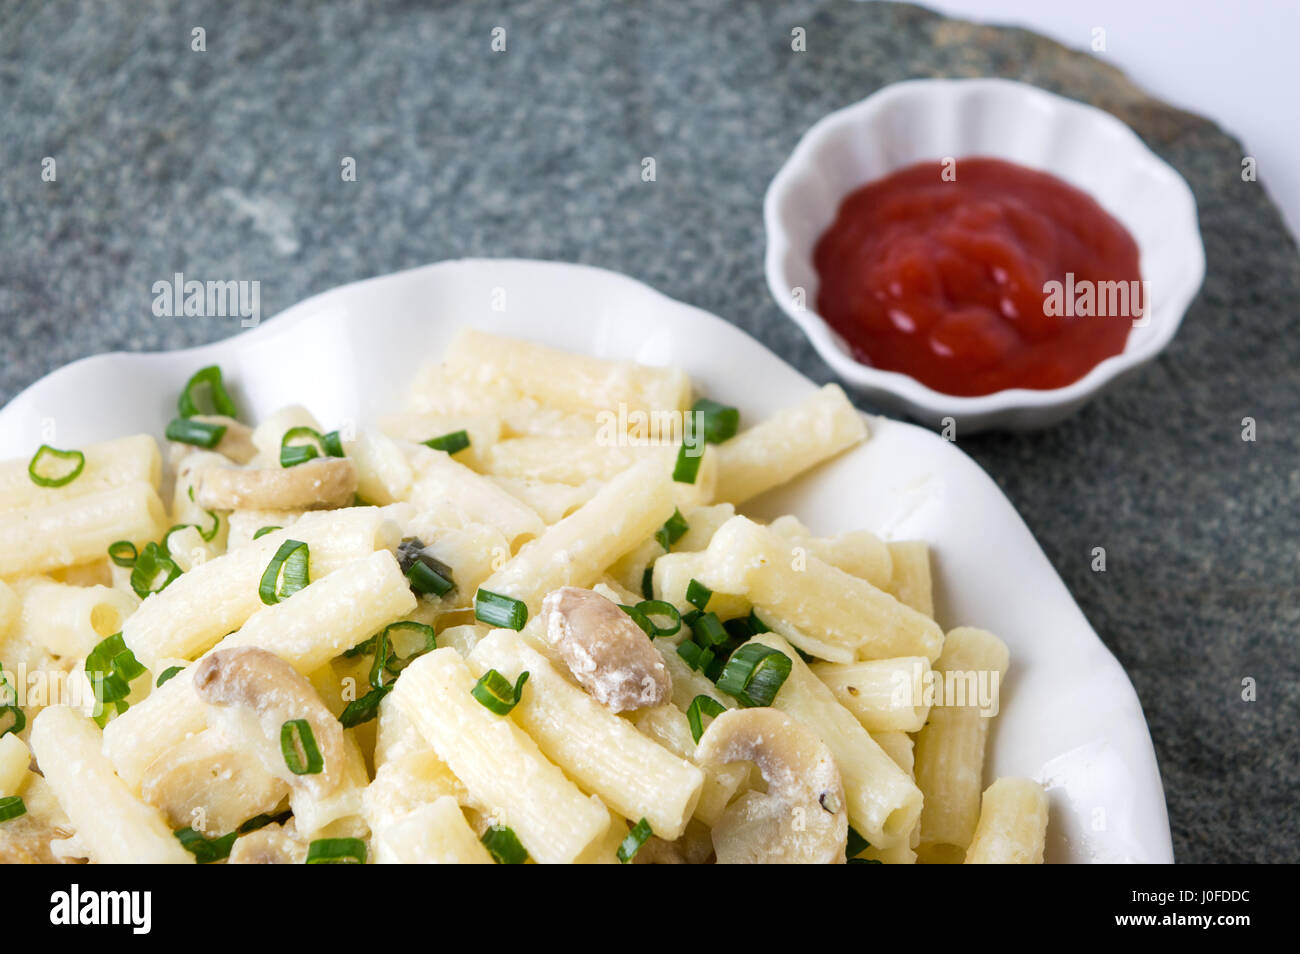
226,164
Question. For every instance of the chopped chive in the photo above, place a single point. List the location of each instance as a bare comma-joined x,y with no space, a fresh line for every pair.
701,706
182,430
12,719
687,467
754,674
298,745
47,459
652,608
263,531
637,837
756,624
258,822
496,609
188,403
708,630
641,620
332,444
11,806
154,571
362,710
430,575
648,582
206,851
294,559
864,861
494,691
697,594
168,674
720,421
322,445
503,845
360,649
856,844
216,525
388,661
695,657
714,669
336,851
111,667
123,553
452,443
672,530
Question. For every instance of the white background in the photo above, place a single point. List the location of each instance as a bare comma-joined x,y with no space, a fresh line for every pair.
1235,61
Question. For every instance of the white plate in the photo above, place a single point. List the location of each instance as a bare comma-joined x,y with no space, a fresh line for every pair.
1069,714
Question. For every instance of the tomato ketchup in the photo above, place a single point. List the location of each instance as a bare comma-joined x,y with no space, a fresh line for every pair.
978,275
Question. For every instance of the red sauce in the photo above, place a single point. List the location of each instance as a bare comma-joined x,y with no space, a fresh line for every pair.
945,280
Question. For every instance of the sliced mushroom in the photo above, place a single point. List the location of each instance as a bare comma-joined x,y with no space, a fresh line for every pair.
272,845
255,693
607,653
237,441
321,484
802,818
693,848
27,841
209,779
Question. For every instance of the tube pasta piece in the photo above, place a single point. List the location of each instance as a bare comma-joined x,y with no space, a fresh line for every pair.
70,620
786,444
703,522
124,462
432,834
550,500
244,524
606,652
559,460
439,478
307,630
182,784
899,747
883,802
950,749
801,818
1012,828
604,754
575,383
845,615
71,531
859,552
483,431
470,552
14,759
885,694
576,551
326,483
910,579
672,575
166,626
384,475
114,825
269,435
501,766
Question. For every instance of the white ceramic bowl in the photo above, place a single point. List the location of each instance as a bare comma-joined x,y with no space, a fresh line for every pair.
920,120
1069,715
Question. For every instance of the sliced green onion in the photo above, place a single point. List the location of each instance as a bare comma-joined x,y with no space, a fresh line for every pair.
648,582
390,662
114,666
429,575
294,559
652,608
637,837
672,530
182,430
332,444
258,822
754,674
361,649
695,657
864,861
336,851
496,609
154,571
697,594
263,531
123,553
642,621
298,745
47,459
188,403
856,844
11,806
297,454
720,421
205,850
701,706
756,624
323,445
708,630
495,692
714,669
216,525
167,674
503,845
12,719
687,467
362,710
452,443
